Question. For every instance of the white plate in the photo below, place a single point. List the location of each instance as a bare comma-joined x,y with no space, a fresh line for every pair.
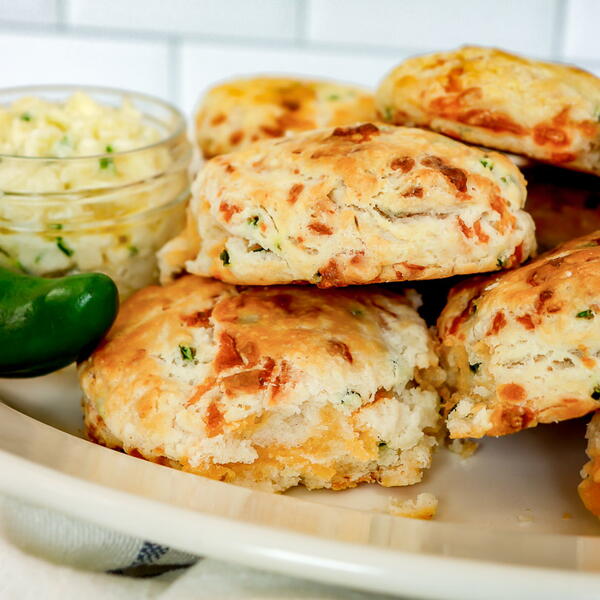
510,523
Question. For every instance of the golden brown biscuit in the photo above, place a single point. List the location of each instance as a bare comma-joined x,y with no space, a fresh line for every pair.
353,205
564,204
523,347
237,113
485,96
268,387
589,488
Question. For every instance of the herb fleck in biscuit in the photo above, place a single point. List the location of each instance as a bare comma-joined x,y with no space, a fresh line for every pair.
546,111
523,347
353,205
235,114
268,387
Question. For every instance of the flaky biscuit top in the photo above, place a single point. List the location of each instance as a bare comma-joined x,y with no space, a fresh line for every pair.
353,205
485,96
236,113
268,387
523,347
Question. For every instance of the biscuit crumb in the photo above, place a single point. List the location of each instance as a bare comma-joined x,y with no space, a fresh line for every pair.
526,517
465,448
424,506
567,515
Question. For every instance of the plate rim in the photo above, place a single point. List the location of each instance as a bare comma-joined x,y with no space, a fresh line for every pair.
361,566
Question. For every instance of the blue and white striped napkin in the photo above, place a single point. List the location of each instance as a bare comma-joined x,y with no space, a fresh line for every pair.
45,554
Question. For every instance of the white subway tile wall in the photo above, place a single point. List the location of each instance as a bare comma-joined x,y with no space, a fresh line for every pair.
177,49
265,19
202,65
56,58
527,25
582,29
29,11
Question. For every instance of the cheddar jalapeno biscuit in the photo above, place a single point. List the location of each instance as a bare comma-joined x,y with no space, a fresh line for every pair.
523,347
268,387
237,113
485,96
589,488
353,205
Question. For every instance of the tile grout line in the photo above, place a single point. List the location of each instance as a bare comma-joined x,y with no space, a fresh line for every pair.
302,17
119,35
558,30
174,66
300,42
61,15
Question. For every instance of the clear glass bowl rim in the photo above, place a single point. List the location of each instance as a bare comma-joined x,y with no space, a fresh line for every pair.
179,127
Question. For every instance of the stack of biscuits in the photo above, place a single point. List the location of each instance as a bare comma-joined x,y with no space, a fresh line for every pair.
275,352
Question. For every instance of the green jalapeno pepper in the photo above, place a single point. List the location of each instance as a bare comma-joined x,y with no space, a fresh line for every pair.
46,324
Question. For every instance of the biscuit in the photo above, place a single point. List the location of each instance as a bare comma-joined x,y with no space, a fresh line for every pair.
589,488
268,387
564,204
354,205
523,347
485,96
235,114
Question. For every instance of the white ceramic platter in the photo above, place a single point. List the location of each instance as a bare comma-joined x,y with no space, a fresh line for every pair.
509,525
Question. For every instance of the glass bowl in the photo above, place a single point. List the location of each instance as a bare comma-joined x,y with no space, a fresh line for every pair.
108,212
